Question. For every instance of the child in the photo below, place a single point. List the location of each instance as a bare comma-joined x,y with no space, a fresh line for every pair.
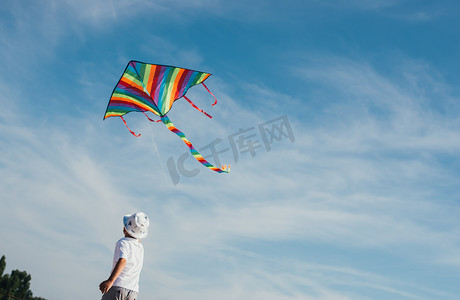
128,258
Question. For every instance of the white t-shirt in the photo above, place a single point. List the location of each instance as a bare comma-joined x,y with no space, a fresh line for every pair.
132,250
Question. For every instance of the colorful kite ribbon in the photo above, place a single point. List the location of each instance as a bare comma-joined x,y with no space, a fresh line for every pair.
195,153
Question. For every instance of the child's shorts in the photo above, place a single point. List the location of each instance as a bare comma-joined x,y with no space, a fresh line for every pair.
119,293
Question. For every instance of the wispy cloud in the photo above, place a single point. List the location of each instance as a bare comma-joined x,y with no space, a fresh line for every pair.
352,181
366,179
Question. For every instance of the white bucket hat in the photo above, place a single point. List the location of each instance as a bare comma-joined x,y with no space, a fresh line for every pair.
137,225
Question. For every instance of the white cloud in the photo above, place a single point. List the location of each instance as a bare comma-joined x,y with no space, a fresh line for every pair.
346,183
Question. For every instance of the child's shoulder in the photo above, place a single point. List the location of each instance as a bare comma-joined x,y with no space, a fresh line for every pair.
128,240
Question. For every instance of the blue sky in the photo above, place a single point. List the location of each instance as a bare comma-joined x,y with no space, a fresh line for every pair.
362,203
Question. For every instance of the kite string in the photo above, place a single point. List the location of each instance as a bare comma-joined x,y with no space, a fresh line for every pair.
136,135
196,107
215,102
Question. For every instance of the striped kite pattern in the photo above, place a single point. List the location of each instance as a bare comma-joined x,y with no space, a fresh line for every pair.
148,87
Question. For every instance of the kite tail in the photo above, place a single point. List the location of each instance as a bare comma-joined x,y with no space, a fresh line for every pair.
196,107
215,102
155,121
195,153
132,132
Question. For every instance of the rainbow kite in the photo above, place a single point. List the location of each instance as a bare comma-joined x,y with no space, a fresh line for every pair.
147,87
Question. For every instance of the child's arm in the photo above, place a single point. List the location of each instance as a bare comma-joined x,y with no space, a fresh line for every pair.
106,285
